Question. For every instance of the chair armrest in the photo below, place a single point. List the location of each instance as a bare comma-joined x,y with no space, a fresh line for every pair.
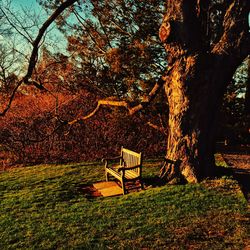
106,160
112,158
130,168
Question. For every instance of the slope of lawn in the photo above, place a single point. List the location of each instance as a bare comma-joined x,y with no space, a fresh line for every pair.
43,207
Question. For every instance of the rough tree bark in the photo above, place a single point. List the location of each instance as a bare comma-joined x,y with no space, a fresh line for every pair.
200,72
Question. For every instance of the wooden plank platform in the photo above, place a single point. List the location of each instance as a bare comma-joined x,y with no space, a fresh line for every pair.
108,188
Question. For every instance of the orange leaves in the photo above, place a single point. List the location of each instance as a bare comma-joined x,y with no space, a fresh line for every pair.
164,31
140,47
32,118
114,58
72,40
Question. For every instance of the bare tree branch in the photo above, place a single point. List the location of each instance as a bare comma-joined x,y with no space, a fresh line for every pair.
121,29
78,17
34,53
11,98
131,110
154,126
42,30
104,30
26,35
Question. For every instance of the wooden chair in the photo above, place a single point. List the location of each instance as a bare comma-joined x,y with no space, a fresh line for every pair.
129,168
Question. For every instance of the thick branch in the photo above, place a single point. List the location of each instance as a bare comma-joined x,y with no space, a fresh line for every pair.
42,30
131,110
236,31
180,25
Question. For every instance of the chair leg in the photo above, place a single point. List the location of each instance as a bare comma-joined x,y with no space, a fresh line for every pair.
142,186
123,187
106,175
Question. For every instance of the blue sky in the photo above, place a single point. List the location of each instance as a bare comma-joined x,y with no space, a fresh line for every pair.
35,7
28,4
55,41
25,3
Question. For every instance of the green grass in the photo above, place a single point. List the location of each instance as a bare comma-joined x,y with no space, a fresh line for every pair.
43,207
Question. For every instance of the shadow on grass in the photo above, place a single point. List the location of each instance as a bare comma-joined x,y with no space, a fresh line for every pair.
242,176
154,181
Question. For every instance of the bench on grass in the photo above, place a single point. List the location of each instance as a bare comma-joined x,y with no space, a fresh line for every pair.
129,168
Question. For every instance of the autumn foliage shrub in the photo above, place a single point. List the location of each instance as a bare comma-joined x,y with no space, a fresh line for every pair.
34,130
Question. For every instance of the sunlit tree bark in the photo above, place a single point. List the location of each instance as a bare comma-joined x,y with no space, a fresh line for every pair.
201,67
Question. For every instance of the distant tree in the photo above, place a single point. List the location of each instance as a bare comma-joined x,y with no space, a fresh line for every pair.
108,38
8,59
234,114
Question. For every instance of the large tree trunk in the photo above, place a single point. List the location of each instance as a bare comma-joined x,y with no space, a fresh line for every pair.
198,73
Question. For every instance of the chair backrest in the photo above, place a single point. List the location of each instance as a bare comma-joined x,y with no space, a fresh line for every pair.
131,159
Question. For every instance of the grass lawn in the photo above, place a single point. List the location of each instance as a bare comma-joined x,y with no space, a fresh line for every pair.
43,207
